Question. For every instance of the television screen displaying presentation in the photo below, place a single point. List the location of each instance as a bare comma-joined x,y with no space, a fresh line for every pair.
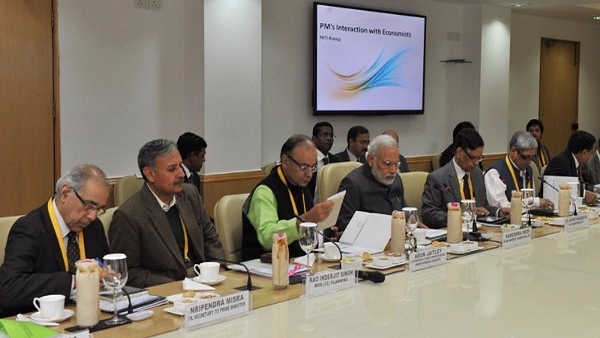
367,62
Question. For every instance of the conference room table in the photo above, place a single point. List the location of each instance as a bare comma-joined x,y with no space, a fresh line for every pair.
547,288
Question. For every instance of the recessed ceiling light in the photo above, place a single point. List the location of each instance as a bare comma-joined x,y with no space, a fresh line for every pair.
597,17
520,5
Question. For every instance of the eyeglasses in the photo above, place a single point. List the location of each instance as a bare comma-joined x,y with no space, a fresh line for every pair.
526,157
89,205
304,167
473,158
391,164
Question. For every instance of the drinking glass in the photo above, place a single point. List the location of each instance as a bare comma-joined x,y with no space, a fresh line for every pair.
467,208
412,220
114,277
527,201
308,240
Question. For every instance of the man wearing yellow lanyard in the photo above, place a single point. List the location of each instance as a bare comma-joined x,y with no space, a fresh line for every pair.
164,228
514,173
281,201
459,179
40,253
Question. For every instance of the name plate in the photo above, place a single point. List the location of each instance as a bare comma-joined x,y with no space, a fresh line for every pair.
516,237
329,281
427,258
216,309
578,222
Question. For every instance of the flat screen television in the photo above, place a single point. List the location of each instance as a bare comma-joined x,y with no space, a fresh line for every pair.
367,62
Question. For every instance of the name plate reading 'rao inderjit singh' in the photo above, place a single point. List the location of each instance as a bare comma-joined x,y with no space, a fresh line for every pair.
578,222
330,281
426,258
216,309
515,237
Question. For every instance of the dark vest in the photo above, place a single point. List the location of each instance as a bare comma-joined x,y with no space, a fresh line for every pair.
251,248
506,177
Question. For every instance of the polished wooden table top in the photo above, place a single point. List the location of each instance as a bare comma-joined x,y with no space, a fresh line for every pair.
491,291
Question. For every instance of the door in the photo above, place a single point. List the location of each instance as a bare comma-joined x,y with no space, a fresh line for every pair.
559,92
27,150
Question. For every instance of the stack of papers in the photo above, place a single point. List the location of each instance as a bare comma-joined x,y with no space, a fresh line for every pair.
138,303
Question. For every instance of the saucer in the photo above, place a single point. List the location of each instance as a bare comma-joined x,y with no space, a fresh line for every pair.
219,279
66,314
329,259
174,311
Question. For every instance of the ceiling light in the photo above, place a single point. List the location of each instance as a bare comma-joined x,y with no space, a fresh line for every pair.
597,17
520,5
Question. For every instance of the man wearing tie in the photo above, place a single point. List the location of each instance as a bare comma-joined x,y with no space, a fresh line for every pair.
356,150
192,149
43,246
459,179
570,162
513,172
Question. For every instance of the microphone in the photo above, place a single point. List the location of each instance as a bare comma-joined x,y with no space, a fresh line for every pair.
473,235
249,285
446,190
375,276
553,187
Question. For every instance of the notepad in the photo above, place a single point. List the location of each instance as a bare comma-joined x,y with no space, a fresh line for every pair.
331,220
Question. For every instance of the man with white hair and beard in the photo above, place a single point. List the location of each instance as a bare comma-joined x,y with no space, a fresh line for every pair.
375,186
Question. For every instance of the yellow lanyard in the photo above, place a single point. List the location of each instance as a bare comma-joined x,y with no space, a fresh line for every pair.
59,237
542,157
282,178
513,175
185,238
462,190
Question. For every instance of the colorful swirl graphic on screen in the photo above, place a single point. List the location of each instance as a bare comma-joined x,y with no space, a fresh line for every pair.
381,73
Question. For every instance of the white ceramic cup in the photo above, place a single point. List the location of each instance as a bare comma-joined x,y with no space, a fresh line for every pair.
420,235
330,251
208,271
50,306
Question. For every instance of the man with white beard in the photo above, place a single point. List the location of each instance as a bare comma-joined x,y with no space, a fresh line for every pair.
375,186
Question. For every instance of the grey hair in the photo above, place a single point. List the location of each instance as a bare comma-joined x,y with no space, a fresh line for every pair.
381,141
153,149
523,140
78,176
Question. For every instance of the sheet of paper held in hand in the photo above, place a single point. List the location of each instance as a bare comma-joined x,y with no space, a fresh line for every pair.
333,216
366,232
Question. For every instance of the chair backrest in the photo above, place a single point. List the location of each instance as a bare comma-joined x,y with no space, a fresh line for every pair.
435,161
6,223
329,177
535,178
106,218
543,170
228,222
268,167
414,183
125,187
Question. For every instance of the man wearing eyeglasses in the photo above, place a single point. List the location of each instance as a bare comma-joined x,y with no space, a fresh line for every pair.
43,246
375,186
513,172
458,180
282,200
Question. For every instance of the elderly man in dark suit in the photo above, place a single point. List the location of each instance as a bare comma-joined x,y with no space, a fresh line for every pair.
163,228
459,179
44,245
570,162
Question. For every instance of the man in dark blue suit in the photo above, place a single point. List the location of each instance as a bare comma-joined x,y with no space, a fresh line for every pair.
43,246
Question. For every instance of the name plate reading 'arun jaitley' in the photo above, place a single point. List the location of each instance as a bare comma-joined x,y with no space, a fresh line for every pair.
426,258
512,237
578,222
216,309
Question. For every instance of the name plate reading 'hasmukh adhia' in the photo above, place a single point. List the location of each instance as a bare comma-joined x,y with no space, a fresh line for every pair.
329,281
426,258
216,309
578,222
512,237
